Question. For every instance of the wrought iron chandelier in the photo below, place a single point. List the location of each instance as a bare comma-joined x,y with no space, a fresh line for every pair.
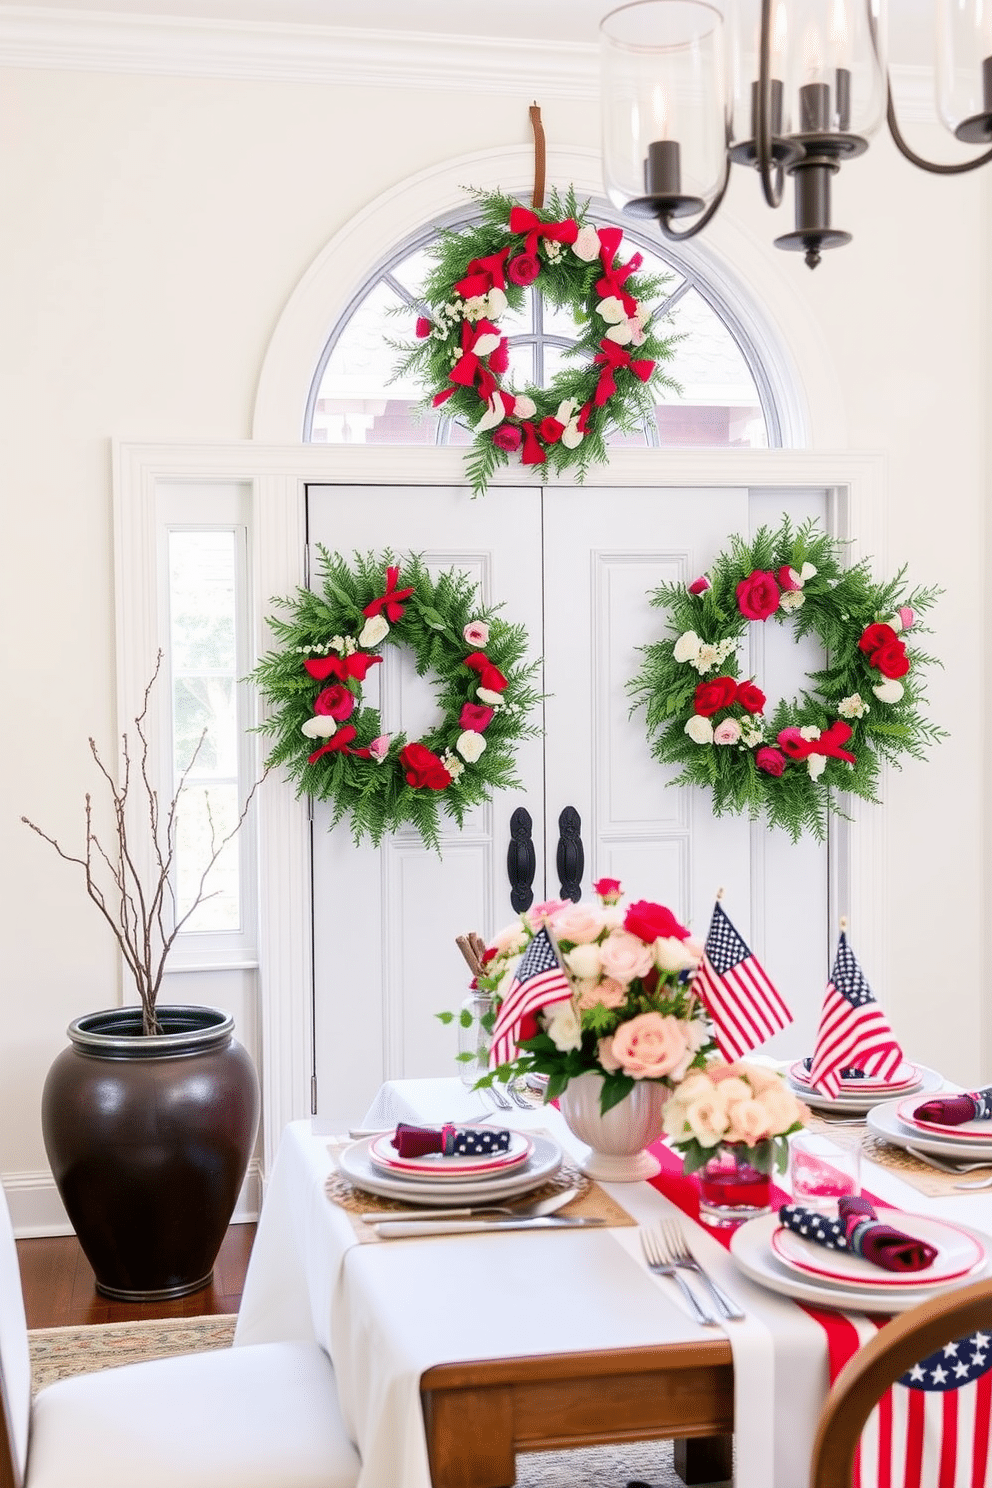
790,87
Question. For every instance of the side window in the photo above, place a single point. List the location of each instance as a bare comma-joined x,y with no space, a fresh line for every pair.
724,400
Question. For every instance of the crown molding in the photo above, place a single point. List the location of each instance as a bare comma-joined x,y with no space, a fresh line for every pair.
91,41
101,41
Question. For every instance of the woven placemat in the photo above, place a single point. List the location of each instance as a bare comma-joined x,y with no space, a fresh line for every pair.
591,1201
918,1174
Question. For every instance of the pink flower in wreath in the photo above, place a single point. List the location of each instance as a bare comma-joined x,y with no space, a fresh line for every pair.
772,761
475,717
337,702
379,748
758,595
476,633
700,585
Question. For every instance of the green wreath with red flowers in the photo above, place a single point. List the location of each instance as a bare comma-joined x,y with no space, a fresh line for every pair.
789,764
462,352
331,741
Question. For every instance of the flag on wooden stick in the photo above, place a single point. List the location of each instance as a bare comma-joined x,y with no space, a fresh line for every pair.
745,1006
539,982
854,1032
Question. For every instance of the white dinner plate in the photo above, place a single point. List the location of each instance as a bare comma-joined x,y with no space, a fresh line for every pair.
434,1166
967,1131
544,1161
958,1253
884,1122
857,1105
906,1078
751,1249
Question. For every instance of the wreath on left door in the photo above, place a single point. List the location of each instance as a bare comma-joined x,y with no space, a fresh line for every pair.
331,742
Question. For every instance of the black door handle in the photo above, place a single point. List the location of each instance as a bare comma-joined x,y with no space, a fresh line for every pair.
520,860
571,859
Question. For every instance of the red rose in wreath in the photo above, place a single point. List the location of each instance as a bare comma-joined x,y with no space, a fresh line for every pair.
523,269
335,702
714,695
422,768
891,660
751,697
651,922
475,717
772,761
758,595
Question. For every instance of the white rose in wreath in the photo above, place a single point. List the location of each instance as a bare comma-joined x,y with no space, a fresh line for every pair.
319,727
374,630
699,729
470,745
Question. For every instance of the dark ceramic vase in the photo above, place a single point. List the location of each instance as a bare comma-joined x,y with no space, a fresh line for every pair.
149,1138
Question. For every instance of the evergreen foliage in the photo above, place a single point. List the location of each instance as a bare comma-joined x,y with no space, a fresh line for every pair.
377,796
838,603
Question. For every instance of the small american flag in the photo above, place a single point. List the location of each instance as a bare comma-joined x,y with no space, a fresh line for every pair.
745,1007
539,982
853,1029
931,1430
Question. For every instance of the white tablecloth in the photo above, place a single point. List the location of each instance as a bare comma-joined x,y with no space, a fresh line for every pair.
388,1312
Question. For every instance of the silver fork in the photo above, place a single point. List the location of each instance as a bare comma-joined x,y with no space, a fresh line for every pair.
680,1255
944,1164
518,1098
654,1254
498,1097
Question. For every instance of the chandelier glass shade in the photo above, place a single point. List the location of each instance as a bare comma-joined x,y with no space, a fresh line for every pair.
793,88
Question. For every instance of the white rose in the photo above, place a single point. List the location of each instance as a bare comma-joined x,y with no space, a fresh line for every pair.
687,646
486,343
671,954
700,729
611,309
586,245
374,630
563,1027
889,691
792,599
566,408
524,407
808,571
572,435
584,961
707,1119
470,745
622,334
319,727
495,413
486,695
496,300
816,764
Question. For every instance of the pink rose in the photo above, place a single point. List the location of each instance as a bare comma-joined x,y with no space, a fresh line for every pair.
651,922
606,1056
523,269
906,616
749,1121
475,717
379,747
608,889
649,1046
335,702
541,914
727,732
758,595
624,957
476,634
700,585
788,579
602,993
508,437
579,923
772,761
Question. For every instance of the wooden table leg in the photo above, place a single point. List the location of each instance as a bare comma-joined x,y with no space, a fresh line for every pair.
705,1459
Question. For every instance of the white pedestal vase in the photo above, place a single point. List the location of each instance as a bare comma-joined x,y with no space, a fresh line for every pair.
619,1138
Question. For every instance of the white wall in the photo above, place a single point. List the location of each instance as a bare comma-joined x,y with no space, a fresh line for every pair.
152,229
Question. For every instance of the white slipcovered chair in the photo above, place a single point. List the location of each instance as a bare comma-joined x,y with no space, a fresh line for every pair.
261,1416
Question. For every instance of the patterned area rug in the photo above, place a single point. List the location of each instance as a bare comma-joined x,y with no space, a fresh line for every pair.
57,1353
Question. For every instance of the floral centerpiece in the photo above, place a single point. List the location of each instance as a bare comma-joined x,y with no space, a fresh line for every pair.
732,1122
626,1011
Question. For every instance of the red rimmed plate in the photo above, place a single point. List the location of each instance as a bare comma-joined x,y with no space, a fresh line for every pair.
968,1131
434,1165
958,1253
905,1077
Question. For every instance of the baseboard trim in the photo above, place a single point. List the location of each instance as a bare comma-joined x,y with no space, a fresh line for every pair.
36,1209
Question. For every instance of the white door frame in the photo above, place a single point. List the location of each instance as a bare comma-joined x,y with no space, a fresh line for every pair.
276,478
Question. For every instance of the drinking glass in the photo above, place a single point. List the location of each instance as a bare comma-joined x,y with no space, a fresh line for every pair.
824,1168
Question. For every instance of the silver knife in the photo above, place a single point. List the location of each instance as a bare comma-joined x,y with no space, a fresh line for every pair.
390,1230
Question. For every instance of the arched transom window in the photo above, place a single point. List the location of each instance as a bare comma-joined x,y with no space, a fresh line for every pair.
724,398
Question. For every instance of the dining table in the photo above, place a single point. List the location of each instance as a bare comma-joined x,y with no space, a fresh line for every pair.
454,1353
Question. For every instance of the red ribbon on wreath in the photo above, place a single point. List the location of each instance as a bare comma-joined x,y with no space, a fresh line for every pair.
610,358
338,744
390,600
470,364
342,667
484,274
523,220
615,275
829,743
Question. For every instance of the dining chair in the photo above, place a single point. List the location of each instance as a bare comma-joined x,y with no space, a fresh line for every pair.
896,1349
259,1416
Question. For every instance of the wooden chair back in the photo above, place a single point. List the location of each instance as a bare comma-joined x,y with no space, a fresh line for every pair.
865,1378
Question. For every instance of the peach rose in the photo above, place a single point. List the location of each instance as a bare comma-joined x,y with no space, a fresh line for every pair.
707,1120
563,1027
540,914
624,957
749,1121
601,993
579,923
733,1091
781,1108
649,1046
672,954
606,1056
510,938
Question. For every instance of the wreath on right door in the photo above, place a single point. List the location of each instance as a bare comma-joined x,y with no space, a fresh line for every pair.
866,705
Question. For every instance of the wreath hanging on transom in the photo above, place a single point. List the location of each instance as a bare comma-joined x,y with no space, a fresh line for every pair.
462,355
331,741
864,706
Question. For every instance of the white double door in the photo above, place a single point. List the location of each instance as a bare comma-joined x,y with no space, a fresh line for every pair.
576,567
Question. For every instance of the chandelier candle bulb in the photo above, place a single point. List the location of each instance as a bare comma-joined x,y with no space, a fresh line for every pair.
814,108
987,92
663,168
843,90
775,110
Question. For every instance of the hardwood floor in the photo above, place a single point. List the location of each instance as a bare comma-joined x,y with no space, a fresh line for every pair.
59,1290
